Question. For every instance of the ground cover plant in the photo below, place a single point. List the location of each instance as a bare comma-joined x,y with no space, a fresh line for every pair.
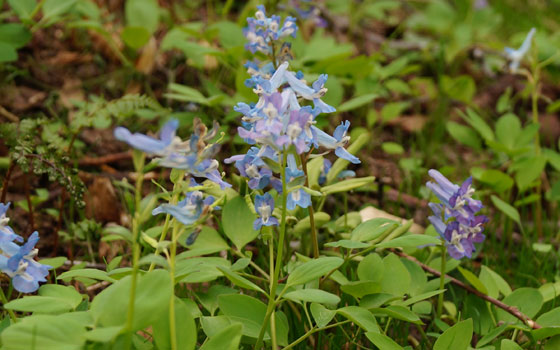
279,175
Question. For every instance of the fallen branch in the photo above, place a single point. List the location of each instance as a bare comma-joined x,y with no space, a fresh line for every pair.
8,115
110,158
510,309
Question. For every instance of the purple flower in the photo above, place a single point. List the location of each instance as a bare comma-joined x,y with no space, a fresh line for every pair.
264,205
457,200
454,218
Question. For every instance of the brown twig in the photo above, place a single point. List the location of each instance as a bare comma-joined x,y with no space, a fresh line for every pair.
7,181
29,204
9,115
110,158
510,309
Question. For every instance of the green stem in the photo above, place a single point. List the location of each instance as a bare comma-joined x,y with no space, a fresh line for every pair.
4,302
279,254
252,263
535,120
139,165
441,279
172,254
314,239
165,228
311,331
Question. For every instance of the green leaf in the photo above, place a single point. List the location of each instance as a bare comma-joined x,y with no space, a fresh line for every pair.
87,273
239,280
23,8
529,171
348,244
237,221
15,35
324,47
508,129
473,280
528,300
321,314
464,135
52,9
186,332
371,268
460,88
457,337
550,291
45,332
209,241
55,263
507,344
382,341
360,316
347,185
142,13
226,339
507,209
103,334
503,286
372,229
313,269
135,37
250,312
493,334
7,53
153,290
393,110
392,148
359,289
398,312
230,34
356,102
396,278
313,295
411,240
498,180
478,124
52,298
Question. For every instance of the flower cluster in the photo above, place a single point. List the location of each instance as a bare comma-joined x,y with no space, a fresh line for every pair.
516,56
262,31
17,261
193,155
455,217
190,209
282,122
307,10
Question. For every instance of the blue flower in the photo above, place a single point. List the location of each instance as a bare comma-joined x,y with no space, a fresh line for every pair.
262,30
252,166
296,197
516,56
149,144
19,264
264,206
189,210
454,218
194,155
6,232
337,142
